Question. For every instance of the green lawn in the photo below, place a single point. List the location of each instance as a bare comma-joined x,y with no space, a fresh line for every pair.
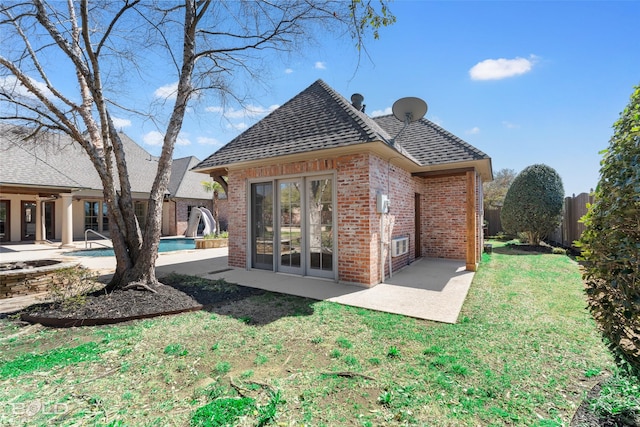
525,352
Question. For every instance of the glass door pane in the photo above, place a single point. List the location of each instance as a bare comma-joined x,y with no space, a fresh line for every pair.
262,238
49,220
4,221
290,227
320,227
29,220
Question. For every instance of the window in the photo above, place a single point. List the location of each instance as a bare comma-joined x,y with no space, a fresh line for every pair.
91,210
105,217
140,210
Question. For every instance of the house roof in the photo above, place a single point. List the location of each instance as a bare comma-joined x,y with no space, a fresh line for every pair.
184,183
315,119
318,118
54,161
428,143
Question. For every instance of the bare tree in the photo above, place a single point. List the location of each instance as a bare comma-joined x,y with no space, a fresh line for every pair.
496,190
104,45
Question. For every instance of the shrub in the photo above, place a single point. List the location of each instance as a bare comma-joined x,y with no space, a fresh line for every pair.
69,287
611,241
533,204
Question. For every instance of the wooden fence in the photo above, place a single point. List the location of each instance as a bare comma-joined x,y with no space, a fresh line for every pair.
569,231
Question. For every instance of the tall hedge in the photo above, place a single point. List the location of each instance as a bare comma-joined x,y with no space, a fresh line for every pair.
611,240
533,204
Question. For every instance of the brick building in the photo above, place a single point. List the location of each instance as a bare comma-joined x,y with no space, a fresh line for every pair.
309,183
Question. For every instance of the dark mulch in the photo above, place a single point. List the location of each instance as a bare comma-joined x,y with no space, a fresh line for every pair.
584,417
176,294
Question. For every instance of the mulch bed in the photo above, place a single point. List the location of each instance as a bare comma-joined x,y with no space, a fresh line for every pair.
584,417
173,297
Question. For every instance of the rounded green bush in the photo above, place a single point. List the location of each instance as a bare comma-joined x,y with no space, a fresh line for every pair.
611,241
533,204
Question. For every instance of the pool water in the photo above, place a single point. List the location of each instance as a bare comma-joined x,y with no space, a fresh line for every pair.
166,245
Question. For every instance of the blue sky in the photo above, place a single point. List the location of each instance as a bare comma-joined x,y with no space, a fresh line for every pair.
525,82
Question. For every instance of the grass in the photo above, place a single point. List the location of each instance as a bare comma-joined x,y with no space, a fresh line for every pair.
524,352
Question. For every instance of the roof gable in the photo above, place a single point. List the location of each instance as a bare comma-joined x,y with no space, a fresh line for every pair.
185,183
317,118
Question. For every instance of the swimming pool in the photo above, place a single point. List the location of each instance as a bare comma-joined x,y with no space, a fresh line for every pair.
166,245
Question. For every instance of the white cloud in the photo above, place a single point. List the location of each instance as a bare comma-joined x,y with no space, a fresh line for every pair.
510,125
385,112
183,140
169,91
502,68
121,123
155,138
17,89
473,131
214,109
319,65
203,140
288,71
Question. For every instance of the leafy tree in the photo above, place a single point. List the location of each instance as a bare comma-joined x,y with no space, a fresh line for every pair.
496,190
533,204
611,240
66,66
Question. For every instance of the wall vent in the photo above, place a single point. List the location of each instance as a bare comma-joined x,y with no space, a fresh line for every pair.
399,246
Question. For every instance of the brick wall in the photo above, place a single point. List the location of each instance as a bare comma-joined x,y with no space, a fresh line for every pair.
359,179
237,218
401,187
357,225
444,217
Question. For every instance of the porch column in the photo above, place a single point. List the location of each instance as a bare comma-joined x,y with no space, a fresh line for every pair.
67,220
39,220
471,222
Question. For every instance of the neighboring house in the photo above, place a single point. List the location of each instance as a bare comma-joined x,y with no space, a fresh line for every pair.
186,191
54,180
307,187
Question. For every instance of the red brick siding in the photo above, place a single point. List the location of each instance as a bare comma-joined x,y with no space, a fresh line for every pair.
401,188
357,237
237,215
444,217
359,179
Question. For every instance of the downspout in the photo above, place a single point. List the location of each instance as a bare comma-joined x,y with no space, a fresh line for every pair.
389,252
381,248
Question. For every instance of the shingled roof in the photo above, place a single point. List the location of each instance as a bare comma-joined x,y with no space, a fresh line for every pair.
184,183
318,118
315,119
56,162
428,143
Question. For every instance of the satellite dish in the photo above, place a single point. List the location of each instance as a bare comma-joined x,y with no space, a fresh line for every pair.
409,109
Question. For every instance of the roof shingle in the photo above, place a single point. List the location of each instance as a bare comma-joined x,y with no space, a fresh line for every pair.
318,118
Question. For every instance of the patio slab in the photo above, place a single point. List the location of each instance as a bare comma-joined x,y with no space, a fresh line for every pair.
429,289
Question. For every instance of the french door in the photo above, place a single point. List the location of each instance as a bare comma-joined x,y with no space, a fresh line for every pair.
28,227
5,224
296,233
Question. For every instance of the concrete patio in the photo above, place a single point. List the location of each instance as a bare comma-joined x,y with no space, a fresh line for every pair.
430,289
